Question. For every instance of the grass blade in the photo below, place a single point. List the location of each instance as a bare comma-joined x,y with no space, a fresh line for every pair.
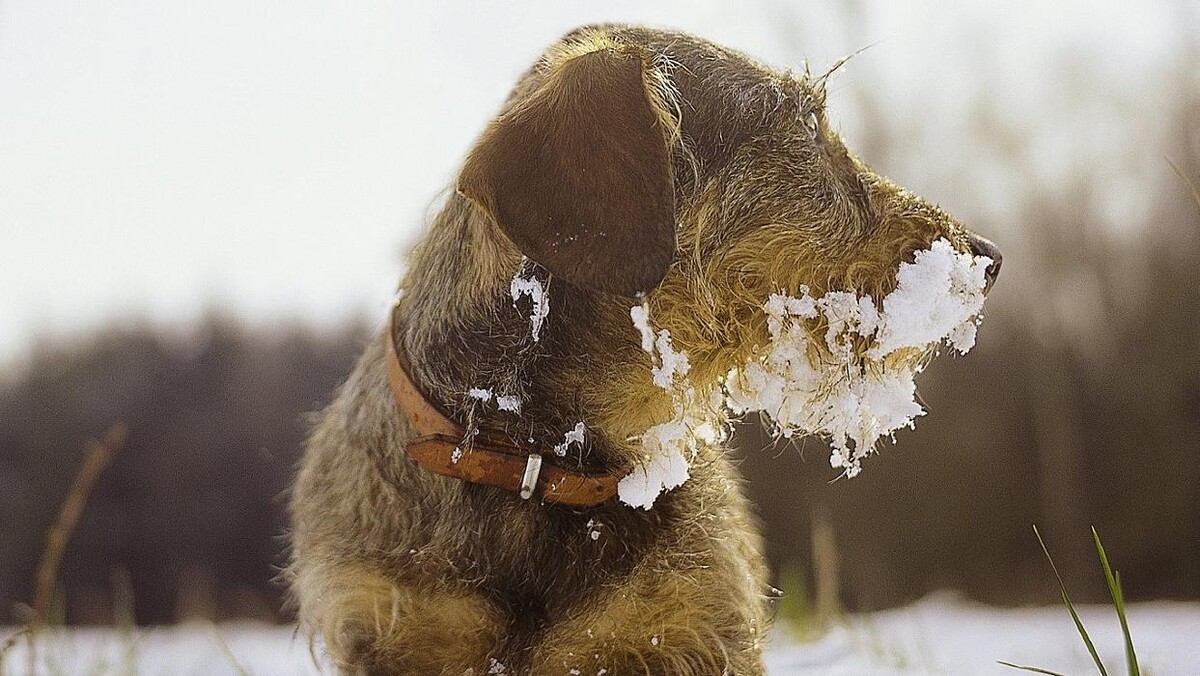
99,454
1087,640
1186,181
1114,590
225,650
1035,670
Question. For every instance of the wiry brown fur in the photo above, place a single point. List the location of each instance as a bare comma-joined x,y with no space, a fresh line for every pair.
402,571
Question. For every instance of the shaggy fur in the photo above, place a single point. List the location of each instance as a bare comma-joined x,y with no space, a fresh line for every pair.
402,571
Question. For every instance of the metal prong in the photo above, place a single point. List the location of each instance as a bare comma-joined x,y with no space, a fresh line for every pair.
533,468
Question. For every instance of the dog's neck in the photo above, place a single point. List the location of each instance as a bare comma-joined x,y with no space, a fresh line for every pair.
462,331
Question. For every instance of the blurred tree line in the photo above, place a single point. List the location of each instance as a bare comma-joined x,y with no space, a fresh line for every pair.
1079,406
189,518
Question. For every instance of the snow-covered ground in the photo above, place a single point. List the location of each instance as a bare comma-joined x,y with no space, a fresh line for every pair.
939,635
944,634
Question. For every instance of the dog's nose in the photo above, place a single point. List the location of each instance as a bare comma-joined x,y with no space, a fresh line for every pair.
984,247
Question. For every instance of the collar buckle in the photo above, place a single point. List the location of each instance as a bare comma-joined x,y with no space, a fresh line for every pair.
533,468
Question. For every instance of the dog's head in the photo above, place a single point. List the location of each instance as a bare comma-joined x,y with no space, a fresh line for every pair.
631,160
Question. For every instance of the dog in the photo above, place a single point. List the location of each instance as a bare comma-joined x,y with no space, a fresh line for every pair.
628,166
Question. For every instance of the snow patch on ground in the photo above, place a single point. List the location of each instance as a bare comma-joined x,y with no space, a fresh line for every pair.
946,634
942,634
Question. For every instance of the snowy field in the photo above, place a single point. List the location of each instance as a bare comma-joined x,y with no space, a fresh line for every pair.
939,635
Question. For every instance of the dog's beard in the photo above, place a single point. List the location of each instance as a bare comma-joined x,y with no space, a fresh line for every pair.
844,368
839,366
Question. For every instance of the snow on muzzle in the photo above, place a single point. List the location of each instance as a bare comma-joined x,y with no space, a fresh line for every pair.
851,383
830,385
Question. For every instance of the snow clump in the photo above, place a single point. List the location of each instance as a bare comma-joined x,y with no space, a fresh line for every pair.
573,436
665,466
852,383
939,297
669,446
531,286
504,402
669,363
850,396
509,402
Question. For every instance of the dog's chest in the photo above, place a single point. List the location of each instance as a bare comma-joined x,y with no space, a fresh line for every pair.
549,551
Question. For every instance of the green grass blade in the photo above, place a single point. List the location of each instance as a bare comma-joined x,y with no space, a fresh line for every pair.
1087,640
1035,670
1114,590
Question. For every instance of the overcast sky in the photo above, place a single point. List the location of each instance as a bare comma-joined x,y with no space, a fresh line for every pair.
272,159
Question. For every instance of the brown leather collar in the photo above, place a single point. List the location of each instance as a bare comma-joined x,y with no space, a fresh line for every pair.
443,447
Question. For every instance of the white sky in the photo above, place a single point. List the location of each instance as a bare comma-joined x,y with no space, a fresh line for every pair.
163,157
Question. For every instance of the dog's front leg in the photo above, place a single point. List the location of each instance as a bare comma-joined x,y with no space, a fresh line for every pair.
663,620
372,626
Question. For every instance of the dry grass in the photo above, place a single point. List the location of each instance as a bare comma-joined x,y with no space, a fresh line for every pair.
100,453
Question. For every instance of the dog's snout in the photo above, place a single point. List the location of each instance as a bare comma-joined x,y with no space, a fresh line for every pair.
984,247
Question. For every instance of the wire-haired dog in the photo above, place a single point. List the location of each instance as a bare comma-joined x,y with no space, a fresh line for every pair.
627,163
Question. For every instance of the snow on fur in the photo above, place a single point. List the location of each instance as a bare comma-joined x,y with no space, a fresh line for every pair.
854,399
670,446
522,285
504,402
593,531
938,297
509,402
573,436
843,383
640,314
667,362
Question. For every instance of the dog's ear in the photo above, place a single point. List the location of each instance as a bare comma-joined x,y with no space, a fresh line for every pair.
578,175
